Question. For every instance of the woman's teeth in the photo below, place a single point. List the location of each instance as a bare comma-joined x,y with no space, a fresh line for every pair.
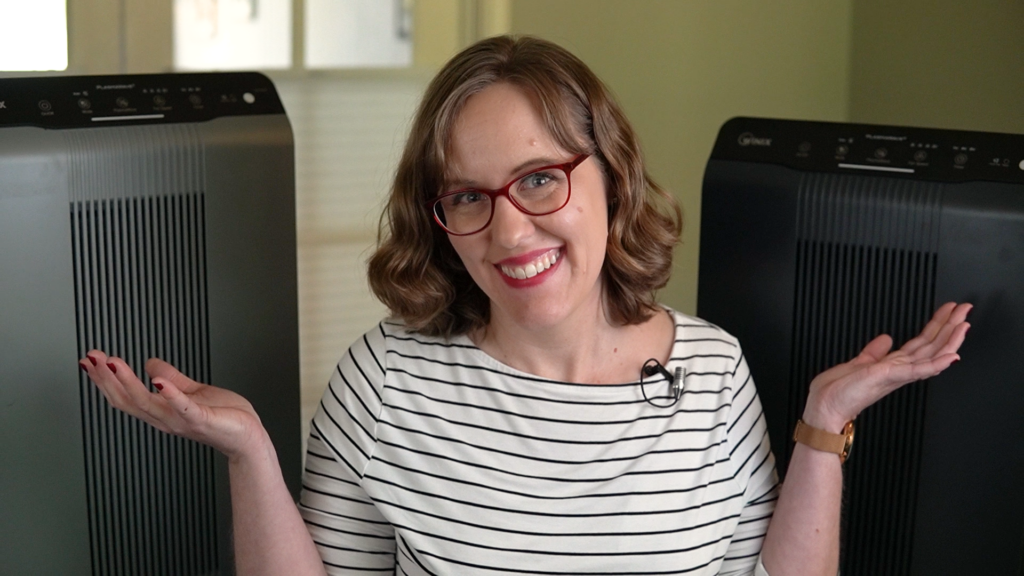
533,268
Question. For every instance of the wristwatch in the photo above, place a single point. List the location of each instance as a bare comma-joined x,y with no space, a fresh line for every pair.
825,441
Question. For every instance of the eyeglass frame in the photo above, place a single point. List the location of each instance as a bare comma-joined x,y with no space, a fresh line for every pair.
493,195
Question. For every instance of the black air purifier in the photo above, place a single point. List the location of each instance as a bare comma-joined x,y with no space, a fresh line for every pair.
147,216
816,237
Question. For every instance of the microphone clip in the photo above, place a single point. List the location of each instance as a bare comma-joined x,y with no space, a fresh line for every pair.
676,380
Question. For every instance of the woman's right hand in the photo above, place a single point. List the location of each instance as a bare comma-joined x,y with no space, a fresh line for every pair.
213,416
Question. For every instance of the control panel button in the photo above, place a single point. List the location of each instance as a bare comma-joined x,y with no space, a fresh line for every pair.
250,98
122,102
920,156
84,103
881,153
1021,165
159,101
960,159
195,99
45,105
842,150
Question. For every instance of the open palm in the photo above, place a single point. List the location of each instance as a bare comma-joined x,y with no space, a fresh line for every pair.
213,416
839,394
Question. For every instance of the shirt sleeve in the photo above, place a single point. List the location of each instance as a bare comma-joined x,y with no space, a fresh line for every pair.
350,533
751,454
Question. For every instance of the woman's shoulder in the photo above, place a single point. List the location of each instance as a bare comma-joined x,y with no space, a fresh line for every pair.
695,336
389,346
692,327
392,337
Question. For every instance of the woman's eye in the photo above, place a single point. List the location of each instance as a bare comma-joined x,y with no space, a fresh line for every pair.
535,180
464,198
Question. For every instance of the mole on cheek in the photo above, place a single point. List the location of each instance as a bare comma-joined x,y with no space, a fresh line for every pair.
579,208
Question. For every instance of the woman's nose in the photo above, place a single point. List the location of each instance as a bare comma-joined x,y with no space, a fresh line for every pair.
509,225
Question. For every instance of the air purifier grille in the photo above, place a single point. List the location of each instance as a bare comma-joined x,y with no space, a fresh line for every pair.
140,292
140,287
866,265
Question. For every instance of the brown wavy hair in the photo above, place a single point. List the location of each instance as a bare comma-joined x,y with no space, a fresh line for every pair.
415,271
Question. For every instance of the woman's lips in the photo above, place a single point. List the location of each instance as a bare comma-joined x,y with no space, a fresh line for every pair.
528,266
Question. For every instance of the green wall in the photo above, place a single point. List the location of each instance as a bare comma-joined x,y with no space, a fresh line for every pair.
939,63
682,68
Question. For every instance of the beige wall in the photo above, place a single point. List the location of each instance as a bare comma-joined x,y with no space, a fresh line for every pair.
682,68
129,36
939,63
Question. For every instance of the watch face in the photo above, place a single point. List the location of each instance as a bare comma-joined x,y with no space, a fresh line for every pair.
848,432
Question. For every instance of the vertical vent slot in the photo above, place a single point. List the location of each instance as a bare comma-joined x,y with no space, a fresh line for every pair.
866,265
140,283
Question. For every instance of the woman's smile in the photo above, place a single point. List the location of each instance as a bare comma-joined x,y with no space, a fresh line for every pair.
528,267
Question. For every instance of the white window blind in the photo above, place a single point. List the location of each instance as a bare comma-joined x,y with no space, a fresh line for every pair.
232,34
358,33
349,134
33,35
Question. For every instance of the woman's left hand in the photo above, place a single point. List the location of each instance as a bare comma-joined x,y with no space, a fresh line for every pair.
839,394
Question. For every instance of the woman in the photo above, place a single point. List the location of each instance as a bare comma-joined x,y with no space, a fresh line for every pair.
502,421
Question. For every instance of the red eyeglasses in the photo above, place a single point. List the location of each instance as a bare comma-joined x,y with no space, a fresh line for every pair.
539,192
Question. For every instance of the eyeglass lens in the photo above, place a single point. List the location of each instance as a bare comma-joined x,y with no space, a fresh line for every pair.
537,193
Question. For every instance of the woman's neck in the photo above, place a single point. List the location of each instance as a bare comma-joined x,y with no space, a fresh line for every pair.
586,349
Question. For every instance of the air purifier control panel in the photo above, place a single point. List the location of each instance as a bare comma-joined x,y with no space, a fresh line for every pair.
80,101
920,153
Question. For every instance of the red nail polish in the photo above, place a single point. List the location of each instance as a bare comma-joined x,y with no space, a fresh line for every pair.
112,367
83,366
158,385
93,360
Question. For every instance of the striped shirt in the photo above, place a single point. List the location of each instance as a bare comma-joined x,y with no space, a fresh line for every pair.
428,456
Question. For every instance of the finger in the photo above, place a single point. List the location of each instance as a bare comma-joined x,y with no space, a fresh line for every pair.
929,340
949,339
956,339
96,357
875,350
157,368
135,398
95,365
905,373
931,330
184,408
869,356
131,383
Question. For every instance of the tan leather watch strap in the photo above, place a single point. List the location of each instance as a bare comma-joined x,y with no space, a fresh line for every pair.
825,441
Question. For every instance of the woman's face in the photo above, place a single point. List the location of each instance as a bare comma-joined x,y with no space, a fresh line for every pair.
498,136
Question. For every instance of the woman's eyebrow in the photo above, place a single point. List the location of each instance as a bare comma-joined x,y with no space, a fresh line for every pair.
518,170
534,163
459,183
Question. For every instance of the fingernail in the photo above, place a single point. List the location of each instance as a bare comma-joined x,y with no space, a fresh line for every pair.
158,386
112,367
83,366
93,360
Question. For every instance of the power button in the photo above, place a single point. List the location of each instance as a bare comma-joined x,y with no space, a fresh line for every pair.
1021,165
